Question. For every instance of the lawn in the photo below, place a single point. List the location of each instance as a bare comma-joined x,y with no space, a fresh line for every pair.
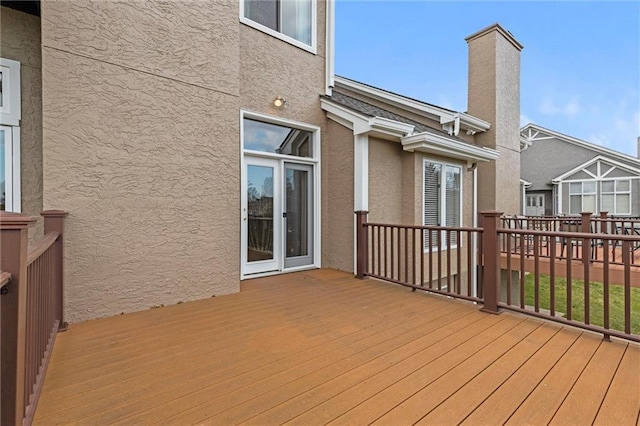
596,301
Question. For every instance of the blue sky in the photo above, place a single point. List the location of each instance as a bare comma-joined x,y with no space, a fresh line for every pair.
580,72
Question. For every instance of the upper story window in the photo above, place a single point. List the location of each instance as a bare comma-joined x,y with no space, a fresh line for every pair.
289,20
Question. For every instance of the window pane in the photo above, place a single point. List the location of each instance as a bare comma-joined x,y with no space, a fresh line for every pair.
452,196
623,204
575,188
432,172
3,172
296,19
622,185
589,203
575,205
607,203
607,186
267,137
588,187
264,12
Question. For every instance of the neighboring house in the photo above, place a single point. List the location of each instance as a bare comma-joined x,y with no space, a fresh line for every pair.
197,144
566,175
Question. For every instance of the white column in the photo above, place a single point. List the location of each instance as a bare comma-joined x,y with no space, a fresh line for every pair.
360,182
360,172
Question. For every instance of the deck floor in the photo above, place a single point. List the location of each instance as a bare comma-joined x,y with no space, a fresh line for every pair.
322,347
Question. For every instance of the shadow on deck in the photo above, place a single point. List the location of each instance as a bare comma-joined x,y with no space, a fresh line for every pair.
320,346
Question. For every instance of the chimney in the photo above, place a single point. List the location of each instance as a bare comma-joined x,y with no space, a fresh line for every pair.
494,96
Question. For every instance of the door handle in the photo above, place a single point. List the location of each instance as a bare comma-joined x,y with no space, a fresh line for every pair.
284,214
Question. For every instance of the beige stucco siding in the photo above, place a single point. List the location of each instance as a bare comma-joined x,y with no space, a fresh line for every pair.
337,197
141,130
20,41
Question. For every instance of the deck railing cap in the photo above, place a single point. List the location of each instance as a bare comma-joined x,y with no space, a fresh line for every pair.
54,213
10,220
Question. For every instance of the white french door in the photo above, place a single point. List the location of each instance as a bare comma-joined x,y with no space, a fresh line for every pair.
277,215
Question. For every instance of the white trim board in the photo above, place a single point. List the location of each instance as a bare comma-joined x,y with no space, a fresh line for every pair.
588,163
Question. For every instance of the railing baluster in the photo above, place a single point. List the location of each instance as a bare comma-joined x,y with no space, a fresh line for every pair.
509,269
569,261
552,280
448,243
536,268
626,255
605,287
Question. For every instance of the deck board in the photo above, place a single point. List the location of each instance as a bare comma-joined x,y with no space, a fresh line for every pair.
320,347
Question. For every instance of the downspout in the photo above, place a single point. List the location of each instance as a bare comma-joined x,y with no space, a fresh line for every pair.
330,47
474,235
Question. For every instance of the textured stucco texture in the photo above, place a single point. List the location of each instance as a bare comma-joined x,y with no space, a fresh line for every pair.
494,96
20,41
142,129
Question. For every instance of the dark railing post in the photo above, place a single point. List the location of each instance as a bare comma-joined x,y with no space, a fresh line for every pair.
585,227
604,223
361,243
54,222
13,259
491,252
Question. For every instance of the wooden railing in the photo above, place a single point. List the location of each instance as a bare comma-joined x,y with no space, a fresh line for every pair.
430,258
31,310
511,268
587,223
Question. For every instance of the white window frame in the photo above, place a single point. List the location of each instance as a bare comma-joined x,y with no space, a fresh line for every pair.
10,115
10,109
443,201
314,24
615,194
12,168
582,194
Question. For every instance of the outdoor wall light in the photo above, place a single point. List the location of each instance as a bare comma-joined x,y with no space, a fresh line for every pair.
279,102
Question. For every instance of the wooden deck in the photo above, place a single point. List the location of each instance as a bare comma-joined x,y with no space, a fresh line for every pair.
322,347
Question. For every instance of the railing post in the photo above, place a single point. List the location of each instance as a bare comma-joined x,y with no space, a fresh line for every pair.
491,253
13,259
54,222
361,243
585,227
604,223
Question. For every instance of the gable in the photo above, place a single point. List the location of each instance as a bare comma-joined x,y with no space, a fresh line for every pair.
599,168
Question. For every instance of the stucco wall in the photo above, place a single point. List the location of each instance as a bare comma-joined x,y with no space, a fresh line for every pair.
141,123
337,197
141,120
20,41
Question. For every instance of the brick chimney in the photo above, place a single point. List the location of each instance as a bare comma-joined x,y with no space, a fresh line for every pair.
494,96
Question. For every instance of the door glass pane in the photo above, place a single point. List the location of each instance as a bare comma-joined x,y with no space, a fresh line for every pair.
297,212
3,172
259,213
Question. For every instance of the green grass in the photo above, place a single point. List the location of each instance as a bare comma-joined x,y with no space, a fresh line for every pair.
596,301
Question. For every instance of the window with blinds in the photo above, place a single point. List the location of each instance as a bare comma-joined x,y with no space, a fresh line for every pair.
442,200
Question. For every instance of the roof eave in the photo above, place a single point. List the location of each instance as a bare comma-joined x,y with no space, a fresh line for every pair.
440,145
